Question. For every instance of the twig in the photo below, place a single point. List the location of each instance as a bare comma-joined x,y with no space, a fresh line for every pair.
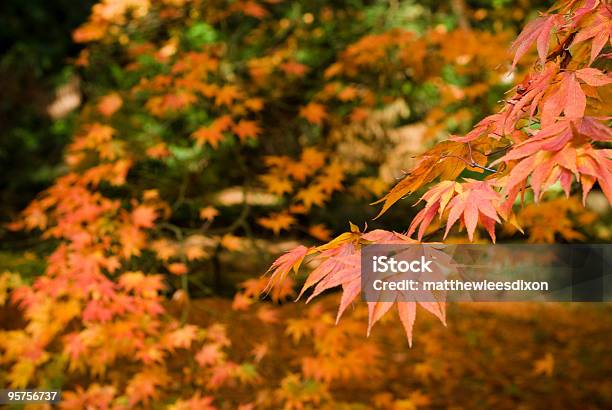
471,164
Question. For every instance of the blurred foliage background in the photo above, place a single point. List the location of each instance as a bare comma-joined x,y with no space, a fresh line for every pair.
35,51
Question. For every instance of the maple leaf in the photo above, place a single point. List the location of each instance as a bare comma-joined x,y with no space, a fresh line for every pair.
313,195
260,351
340,265
312,158
151,355
537,31
555,153
144,216
208,213
372,186
183,337
197,401
297,209
298,328
330,182
254,104
148,285
96,311
282,290
277,222
146,385
220,374
227,94
276,184
231,242
347,94
267,315
471,201
21,373
213,134
294,68
320,232
528,100
545,365
158,151
600,32
194,246
360,114
254,287
251,8
241,302
209,355
246,129
285,263
299,170
568,98
165,249
109,104
447,160
178,268
314,113
593,76
209,135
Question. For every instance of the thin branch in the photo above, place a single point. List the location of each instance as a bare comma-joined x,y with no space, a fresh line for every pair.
471,164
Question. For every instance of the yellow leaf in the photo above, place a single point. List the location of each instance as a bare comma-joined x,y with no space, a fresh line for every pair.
277,222
231,242
544,366
208,213
21,373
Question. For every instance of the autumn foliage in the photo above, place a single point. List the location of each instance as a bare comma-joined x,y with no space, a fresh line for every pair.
213,127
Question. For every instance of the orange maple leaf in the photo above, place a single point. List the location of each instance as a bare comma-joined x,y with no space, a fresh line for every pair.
260,351
183,337
231,242
277,222
227,94
241,302
314,113
254,104
277,184
320,232
208,213
268,315
294,68
213,134
285,263
158,151
178,268
471,201
544,366
210,354
144,216
165,249
252,8
246,129
313,195
146,385
347,94
313,158
109,104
